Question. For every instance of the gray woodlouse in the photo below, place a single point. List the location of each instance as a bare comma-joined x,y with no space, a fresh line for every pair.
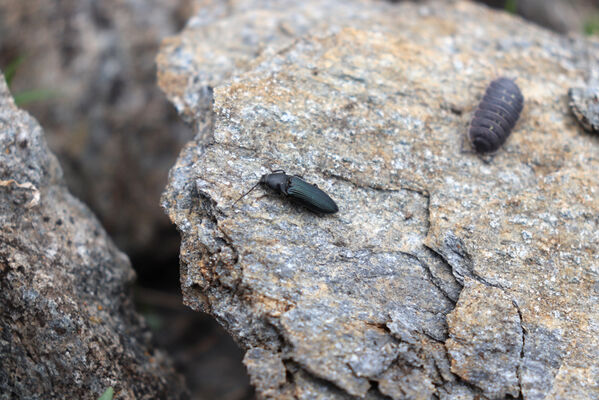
496,115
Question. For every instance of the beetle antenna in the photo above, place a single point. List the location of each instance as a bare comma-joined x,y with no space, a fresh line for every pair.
246,193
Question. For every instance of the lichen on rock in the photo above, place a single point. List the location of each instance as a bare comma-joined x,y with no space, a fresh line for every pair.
373,107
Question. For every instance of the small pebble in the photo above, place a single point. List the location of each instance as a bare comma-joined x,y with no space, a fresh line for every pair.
584,103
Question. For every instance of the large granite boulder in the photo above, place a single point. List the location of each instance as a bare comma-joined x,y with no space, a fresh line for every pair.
114,133
68,328
443,275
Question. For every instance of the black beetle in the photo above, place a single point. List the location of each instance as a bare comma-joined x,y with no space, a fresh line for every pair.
496,115
297,189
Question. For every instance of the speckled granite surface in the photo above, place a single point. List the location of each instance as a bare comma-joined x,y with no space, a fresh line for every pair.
443,275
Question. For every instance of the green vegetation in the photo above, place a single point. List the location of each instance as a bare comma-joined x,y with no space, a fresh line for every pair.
511,6
11,69
27,96
107,395
154,320
30,96
591,26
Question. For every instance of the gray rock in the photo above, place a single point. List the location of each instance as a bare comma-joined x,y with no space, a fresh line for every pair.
373,107
486,340
68,326
559,15
584,103
541,361
268,371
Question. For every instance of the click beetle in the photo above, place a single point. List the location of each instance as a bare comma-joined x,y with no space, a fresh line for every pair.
298,190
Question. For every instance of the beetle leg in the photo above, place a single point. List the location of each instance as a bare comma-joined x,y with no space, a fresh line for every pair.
284,186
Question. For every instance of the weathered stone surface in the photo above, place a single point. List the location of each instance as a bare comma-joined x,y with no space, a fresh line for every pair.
373,107
584,103
268,372
68,328
485,340
113,131
234,33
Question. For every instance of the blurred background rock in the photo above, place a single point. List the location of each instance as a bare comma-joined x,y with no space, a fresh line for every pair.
111,128
85,69
563,16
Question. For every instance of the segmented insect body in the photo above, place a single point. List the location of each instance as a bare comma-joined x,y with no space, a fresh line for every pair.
496,115
297,189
